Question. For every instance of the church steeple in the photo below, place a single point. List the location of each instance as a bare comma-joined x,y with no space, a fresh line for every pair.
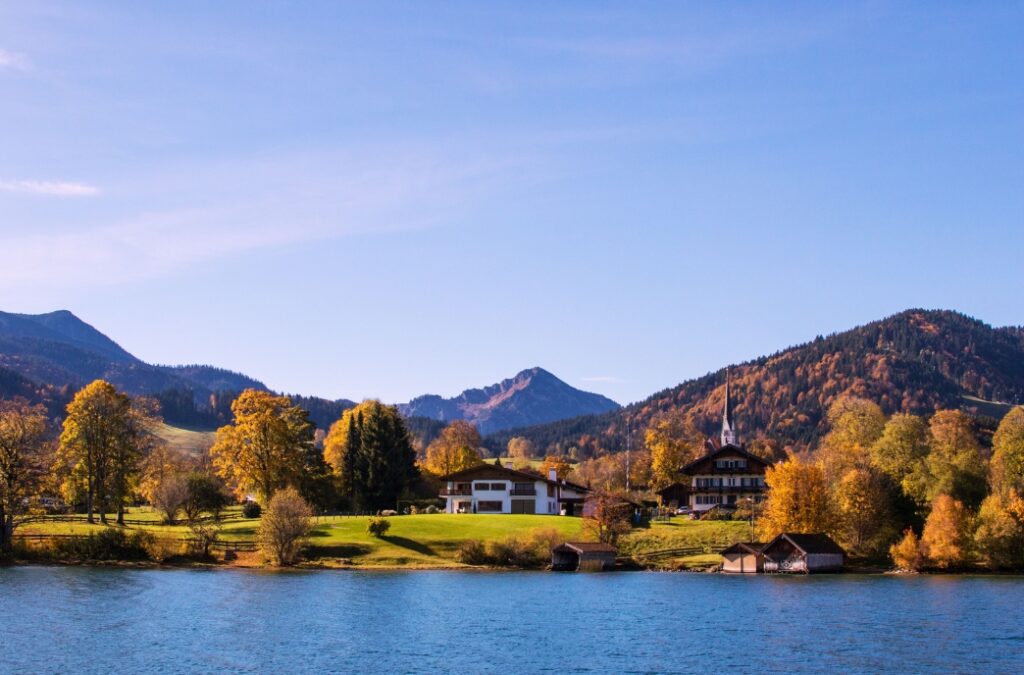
729,435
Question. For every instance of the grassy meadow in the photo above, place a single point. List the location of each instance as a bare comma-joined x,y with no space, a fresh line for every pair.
433,540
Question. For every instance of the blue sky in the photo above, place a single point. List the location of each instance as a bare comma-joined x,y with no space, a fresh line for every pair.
388,199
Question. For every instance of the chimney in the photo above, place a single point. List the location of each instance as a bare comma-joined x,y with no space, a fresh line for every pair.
552,475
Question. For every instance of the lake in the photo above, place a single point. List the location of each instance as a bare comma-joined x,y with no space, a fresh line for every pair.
90,620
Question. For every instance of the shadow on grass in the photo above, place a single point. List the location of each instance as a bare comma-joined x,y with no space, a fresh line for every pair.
340,551
416,546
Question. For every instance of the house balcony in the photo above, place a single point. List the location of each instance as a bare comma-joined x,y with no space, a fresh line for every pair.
456,492
728,489
523,491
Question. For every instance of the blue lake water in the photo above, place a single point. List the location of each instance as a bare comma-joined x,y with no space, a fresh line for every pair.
83,620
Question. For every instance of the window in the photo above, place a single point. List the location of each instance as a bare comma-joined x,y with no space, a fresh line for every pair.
488,507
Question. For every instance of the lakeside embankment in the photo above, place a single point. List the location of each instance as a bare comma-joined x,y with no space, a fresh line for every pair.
424,541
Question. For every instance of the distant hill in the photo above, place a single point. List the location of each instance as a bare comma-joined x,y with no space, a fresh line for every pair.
47,357
915,361
533,396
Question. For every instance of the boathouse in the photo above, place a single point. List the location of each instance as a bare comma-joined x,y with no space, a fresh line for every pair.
802,553
573,556
743,558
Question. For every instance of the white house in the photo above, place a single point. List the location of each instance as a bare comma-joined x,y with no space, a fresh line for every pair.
487,488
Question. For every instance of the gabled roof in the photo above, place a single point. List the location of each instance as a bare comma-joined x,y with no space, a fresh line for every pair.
722,450
808,543
588,547
512,474
745,547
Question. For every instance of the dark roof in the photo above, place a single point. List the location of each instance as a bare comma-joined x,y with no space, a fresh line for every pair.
724,449
588,547
745,547
810,543
512,474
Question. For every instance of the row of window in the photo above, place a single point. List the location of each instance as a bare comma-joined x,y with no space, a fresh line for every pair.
499,487
730,463
719,499
752,481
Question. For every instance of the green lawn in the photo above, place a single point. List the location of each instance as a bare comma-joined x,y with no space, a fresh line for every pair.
432,540
423,540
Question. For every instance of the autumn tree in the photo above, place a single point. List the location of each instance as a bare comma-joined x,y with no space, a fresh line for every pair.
560,465
285,522
521,451
136,441
946,539
266,447
1008,453
22,444
457,448
855,424
606,517
955,465
161,464
1000,534
371,455
902,449
907,553
98,426
798,500
169,495
865,514
673,441
205,494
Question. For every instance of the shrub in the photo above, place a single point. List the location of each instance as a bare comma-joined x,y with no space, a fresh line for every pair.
283,526
530,550
251,509
431,509
161,549
109,544
472,552
907,552
204,535
378,527
388,512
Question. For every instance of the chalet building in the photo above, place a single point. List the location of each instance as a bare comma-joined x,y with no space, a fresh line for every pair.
802,553
726,474
487,488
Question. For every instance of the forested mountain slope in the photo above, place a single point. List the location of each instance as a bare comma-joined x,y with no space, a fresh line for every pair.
915,361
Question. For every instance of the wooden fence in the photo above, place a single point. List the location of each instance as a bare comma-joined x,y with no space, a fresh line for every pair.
225,545
58,518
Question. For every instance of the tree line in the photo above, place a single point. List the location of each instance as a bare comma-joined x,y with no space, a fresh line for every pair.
923,491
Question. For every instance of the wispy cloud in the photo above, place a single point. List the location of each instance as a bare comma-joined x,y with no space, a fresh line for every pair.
49,188
198,214
13,60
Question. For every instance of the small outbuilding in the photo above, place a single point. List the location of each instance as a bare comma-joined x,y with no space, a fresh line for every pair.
573,556
803,553
743,558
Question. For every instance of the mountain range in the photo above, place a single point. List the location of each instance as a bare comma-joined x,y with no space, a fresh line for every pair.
915,361
47,357
534,396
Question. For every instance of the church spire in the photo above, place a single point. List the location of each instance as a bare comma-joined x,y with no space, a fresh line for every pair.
729,435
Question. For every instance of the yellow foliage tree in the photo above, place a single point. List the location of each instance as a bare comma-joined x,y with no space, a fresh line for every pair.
798,500
947,534
266,447
864,511
521,451
906,553
955,466
561,466
855,424
673,441
457,448
1008,453
1000,534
